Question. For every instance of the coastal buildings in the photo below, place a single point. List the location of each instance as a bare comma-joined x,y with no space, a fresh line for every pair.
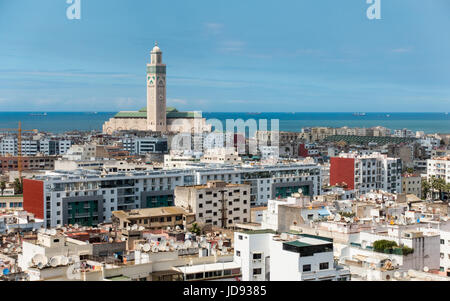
217,203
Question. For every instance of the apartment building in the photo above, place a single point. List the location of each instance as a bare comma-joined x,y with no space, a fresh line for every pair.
48,195
266,256
221,156
439,168
10,163
412,184
32,147
366,172
153,218
145,145
217,203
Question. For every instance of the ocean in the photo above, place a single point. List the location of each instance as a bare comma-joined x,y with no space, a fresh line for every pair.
59,122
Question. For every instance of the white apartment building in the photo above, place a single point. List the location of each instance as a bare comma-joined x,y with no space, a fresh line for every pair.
216,203
31,147
81,152
146,189
373,171
425,245
266,256
439,168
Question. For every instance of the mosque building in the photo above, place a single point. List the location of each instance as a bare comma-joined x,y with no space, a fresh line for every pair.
156,117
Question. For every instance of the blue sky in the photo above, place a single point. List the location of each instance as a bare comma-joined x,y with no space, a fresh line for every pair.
227,56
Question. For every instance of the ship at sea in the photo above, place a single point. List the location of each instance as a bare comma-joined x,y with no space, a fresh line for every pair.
38,114
359,114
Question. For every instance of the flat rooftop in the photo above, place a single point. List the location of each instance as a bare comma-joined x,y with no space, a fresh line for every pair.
210,267
148,212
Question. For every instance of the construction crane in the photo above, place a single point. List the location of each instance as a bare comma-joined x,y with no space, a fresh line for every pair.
19,146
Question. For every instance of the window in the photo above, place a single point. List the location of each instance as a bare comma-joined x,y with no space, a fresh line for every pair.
257,256
240,237
324,266
442,241
306,268
257,271
238,253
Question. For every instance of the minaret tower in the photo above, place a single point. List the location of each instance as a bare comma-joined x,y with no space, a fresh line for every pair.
156,92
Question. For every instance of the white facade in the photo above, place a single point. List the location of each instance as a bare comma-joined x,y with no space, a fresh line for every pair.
125,191
265,256
439,168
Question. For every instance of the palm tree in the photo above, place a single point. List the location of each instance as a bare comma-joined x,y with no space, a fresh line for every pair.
195,229
438,184
425,189
2,186
18,186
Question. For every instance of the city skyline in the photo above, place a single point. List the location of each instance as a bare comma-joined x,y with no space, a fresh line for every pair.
324,56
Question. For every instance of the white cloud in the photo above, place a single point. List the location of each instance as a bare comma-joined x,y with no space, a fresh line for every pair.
214,28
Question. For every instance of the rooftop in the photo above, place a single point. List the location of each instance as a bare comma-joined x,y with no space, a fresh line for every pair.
147,212
171,113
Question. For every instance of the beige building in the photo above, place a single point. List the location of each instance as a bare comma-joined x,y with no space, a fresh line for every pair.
217,203
221,156
412,184
153,218
156,117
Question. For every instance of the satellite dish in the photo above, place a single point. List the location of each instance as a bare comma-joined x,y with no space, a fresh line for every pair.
134,228
177,228
54,261
76,226
35,259
53,232
40,265
64,260
73,259
220,242
146,247
141,228
123,238
188,243
411,273
128,228
426,269
6,272
284,236
397,274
